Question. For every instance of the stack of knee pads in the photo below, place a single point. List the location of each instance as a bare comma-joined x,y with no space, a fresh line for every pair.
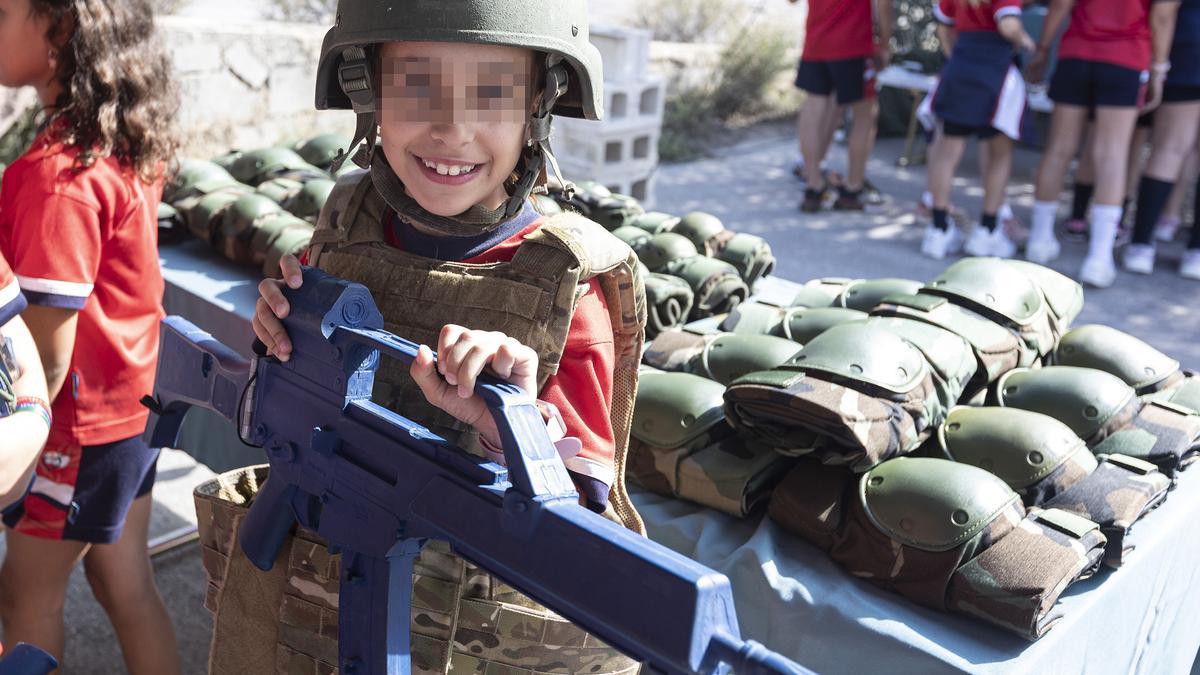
253,207
692,265
954,441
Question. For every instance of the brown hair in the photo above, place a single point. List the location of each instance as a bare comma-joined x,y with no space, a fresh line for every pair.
118,97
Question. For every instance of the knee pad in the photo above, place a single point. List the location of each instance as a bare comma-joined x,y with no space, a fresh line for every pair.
721,357
750,255
948,536
1106,413
1042,460
865,294
1138,364
680,446
668,302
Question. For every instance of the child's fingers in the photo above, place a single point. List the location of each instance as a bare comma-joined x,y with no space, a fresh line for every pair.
426,377
274,337
290,266
450,336
271,291
472,365
520,362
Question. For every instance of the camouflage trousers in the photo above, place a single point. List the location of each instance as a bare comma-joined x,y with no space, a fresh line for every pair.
464,620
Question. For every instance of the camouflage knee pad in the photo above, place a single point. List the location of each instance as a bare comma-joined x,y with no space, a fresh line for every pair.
1138,364
945,535
1049,466
750,255
1107,414
721,357
668,302
1009,295
865,390
866,294
680,446
716,284
798,324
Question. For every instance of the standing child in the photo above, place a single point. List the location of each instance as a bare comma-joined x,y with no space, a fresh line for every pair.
1112,60
442,231
837,69
24,410
980,94
78,224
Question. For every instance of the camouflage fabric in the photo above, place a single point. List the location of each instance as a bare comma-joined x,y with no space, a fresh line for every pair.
721,357
1009,573
715,284
1184,394
668,303
798,324
729,474
861,387
951,361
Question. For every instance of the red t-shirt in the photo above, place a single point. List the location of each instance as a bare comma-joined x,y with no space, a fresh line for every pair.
582,387
838,29
1109,31
12,302
88,241
965,16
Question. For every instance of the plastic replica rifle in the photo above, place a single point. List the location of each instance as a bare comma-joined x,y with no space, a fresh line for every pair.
25,659
376,486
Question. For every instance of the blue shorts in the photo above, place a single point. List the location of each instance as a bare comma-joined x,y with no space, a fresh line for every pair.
851,80
84,493
1093,83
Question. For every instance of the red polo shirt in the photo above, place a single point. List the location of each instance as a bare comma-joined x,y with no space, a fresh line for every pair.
1109,31
87,240
839,29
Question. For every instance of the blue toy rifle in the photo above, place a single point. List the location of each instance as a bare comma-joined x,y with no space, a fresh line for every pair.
26,659
376,486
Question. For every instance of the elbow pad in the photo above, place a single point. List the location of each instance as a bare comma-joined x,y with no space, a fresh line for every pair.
948,536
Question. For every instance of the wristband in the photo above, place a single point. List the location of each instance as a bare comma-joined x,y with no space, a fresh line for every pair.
36,405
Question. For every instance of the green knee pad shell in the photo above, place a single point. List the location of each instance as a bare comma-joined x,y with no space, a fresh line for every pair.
307,202
865,295
654,222
715,284
1048,465
195,177
664,249
1138,364
803,324
950,358
668,302
719,357
636,238
945,535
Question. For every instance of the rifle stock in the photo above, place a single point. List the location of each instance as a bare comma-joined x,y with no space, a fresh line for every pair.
376,486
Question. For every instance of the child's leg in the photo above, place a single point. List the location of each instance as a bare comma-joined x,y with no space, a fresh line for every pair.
862,139
1173,210
944,156
1110,154
33,589
122,580
814,120
1175,130
1066,127
996,173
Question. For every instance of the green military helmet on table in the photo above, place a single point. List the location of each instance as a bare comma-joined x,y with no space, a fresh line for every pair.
668,301
308,201
1107,414
721,357
196,177
1049,466
682,448
654,222
236,230
322,150
946,535
254,167
867,392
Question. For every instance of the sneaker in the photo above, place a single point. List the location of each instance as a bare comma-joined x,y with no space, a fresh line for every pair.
1124,236
1139,258
1190,267
1013,227
1099,271
813,200
938,244
1076,227
983,243
1166,229
848,200
871,193
1042,251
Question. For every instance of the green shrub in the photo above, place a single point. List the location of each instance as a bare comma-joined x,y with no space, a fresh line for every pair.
17,138
688,20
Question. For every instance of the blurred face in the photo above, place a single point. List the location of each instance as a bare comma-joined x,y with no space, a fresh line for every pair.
452,120
24,49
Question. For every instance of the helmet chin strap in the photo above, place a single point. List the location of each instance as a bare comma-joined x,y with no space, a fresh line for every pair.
356,76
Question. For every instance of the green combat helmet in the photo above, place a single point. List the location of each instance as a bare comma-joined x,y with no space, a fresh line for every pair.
574,79
321,151
258,166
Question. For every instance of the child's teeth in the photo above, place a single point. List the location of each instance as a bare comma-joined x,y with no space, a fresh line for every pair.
446,170
442,169
454,170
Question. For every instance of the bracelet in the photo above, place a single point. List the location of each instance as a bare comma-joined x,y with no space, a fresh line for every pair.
34,404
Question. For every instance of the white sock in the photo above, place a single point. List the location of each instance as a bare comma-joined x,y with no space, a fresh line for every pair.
1042,226
1104,221
1005,212
927,199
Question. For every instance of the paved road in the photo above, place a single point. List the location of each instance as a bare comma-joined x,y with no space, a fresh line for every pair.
750,186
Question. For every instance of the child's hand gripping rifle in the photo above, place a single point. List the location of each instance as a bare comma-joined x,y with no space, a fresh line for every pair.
376,486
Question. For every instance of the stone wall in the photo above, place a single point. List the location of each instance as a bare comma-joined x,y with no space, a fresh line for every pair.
247,85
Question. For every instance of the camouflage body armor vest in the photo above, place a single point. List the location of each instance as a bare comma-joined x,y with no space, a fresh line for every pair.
463,617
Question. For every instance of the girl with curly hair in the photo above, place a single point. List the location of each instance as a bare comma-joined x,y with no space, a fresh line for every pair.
78,223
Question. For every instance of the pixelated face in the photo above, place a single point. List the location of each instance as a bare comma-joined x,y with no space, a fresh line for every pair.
24,49
452,120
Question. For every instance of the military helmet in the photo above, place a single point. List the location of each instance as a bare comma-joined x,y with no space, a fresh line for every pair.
556,27
320,151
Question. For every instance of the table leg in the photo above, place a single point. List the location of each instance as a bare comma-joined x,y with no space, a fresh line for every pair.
910,139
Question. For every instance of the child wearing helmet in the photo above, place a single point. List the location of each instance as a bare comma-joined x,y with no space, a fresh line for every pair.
441,228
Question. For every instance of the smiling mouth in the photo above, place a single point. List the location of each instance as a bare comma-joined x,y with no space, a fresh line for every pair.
446,168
